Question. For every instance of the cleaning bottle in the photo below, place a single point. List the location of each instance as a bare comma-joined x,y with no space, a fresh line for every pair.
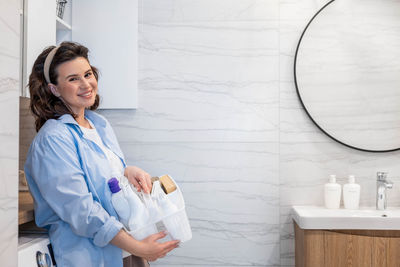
139,216
165,205
119,202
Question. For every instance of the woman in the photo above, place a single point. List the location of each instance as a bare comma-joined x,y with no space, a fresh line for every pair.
73,155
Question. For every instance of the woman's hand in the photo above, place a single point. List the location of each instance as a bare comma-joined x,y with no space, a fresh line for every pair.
148,248
139,178
152,250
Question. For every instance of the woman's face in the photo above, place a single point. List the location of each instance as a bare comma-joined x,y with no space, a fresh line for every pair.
77,84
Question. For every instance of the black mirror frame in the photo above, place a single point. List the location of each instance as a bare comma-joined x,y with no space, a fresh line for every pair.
302,103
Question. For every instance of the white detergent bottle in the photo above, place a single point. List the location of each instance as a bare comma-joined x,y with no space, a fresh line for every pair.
173,219
164,203
351,194
167,206
119,202
143,220
139,214
333,193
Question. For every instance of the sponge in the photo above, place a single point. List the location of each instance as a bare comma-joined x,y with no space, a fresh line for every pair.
167,184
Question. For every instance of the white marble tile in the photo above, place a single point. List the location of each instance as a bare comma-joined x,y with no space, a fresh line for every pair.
207,10
9,178
9,91
9,223
9,47
290,33
8,96
295,125
206,162
223,40
206,82
210,56
196,163
300,10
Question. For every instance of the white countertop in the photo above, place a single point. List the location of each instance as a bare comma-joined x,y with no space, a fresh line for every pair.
366,218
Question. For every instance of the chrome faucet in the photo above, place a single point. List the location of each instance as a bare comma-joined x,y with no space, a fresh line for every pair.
381,185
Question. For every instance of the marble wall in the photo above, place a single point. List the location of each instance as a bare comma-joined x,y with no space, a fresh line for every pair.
208,115
218,111
9,101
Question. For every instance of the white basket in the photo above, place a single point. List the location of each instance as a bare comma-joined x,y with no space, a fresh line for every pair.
177,223
144,231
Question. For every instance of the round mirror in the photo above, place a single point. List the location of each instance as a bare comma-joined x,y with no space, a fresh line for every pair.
347,73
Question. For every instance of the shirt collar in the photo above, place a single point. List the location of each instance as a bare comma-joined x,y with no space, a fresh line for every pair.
97,120
101,126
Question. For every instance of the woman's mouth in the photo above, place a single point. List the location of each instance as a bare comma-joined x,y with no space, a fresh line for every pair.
86,94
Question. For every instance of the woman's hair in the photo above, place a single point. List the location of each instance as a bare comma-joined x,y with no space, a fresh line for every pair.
44,105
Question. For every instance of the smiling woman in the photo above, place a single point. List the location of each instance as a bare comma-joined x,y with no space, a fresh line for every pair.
76,87
70,161
57,86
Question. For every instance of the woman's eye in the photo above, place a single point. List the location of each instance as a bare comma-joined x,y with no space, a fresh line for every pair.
72,79
88,74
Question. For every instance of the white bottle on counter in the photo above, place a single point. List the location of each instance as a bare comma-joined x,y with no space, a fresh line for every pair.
333,193
351,194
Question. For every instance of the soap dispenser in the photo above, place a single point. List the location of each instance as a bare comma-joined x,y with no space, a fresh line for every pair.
333,193
351,194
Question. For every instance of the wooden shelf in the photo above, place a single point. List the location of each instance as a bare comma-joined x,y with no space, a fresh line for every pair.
25,207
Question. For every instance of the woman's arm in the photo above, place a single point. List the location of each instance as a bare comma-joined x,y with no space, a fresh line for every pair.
148,248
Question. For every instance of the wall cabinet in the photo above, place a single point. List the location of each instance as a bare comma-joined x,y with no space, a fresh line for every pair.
39,31
108,29
334,248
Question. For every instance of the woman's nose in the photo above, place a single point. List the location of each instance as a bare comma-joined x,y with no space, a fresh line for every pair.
85,83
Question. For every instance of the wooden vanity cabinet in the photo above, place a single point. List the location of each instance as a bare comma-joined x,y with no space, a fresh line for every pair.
347,248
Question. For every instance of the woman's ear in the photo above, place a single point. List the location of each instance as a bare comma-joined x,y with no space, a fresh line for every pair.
53,89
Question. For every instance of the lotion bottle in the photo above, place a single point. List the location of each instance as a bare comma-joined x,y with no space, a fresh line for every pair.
333,193
351,194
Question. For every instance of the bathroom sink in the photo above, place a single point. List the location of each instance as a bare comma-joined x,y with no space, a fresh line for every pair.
314,217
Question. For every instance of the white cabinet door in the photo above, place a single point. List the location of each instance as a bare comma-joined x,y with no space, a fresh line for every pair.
109,29
39,32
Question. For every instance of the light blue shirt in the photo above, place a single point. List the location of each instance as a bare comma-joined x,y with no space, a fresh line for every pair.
67,176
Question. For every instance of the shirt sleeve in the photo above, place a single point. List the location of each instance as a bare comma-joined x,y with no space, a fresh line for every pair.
57,171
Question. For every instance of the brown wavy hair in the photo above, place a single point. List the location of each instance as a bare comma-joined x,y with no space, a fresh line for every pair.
44,105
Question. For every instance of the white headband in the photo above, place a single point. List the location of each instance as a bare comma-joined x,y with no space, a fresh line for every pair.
47,63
